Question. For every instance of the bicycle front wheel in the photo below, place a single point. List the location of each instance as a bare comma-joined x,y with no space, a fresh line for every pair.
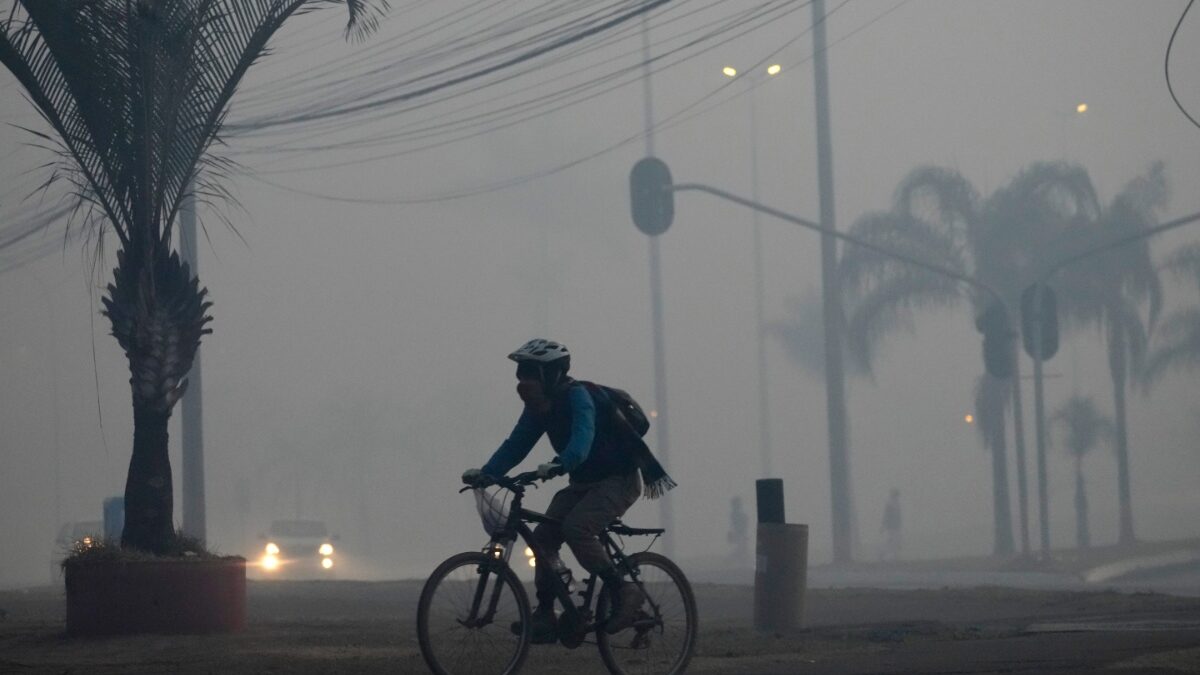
473,618
662,639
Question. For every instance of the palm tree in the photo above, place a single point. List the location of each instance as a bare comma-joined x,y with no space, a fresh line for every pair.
803,335
1084,428
1109,293
1178,336
1002,241
135,93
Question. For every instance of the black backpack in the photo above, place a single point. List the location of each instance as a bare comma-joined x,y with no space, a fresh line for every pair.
628,415
626,408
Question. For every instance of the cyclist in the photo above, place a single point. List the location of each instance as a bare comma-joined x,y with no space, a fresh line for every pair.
604,480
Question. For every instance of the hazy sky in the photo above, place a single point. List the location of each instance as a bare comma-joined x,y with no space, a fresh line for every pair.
357,361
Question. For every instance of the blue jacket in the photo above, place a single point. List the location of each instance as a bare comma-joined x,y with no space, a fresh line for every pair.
587,450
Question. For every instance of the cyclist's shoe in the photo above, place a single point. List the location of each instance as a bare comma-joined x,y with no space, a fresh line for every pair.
543,627
627,601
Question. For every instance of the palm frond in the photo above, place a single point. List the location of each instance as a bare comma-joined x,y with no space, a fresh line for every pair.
1179,348
1184,263
364,16
881,294
938,195
1083,426
137,92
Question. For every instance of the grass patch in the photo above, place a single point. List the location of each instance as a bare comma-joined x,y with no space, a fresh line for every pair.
90,550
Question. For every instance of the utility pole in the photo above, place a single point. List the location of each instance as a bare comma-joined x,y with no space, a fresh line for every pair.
191,413
656,310
835,379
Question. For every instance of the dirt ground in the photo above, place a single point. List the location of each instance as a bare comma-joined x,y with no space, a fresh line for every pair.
368,627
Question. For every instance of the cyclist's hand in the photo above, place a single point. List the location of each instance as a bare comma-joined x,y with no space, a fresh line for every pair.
549,470
472,476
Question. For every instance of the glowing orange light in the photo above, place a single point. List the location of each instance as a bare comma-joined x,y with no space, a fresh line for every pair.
969,418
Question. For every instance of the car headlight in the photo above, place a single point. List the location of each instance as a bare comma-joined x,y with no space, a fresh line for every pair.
272,548
326,549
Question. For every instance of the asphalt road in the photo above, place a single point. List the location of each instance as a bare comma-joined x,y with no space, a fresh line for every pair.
352,627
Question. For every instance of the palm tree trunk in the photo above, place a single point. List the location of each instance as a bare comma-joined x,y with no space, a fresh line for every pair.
1083,536
1118,369
158,314
149,495
1001,507
1019,438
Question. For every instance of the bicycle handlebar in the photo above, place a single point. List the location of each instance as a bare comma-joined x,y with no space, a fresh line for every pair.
515,483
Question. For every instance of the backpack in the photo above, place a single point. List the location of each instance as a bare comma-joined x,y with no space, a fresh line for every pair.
625,406
628,414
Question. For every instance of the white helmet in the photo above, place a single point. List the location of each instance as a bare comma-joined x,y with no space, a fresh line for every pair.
541,351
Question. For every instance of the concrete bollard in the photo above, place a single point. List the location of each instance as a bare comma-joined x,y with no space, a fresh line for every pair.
781,564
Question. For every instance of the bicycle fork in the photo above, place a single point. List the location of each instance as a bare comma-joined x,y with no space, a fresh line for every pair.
497,561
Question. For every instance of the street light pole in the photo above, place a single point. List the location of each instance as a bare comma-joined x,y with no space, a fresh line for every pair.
656,310
764,413
764,423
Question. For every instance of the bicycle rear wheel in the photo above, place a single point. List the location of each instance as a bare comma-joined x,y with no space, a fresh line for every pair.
456,641
663,638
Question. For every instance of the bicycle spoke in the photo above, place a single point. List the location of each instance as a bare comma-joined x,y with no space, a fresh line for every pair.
662,638
451,639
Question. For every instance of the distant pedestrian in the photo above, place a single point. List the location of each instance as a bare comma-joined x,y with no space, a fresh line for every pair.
891,528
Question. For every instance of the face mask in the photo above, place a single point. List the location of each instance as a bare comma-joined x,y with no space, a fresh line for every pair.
532,394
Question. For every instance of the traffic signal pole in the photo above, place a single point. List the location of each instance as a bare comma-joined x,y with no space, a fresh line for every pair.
659,413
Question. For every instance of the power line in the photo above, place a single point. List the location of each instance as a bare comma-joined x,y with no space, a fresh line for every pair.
679,117
1167,66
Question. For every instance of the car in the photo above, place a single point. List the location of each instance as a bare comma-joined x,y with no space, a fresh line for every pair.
297,548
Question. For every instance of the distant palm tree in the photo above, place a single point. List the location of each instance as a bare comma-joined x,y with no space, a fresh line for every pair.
1178,336
1003,241
1110,292
803,335
135,93
1084,428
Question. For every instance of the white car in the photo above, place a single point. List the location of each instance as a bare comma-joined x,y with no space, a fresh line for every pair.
297,548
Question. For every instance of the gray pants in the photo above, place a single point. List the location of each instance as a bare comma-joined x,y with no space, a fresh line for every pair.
584,510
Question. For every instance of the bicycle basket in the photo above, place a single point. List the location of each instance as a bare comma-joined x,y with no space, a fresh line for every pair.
493,509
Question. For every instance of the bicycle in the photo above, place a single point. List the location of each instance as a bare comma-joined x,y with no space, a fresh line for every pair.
474,616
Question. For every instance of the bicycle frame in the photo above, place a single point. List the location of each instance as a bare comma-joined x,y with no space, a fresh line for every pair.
499,550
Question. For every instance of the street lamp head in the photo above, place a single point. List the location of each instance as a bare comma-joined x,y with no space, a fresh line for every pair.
774,69
729,71
1081,108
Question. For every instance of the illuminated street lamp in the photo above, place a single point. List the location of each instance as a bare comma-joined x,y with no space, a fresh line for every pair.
764,433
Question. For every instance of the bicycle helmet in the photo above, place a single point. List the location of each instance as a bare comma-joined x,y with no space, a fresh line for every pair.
541,351
551,359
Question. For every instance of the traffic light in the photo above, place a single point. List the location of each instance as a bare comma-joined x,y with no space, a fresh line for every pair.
1047,317
651,197
998,335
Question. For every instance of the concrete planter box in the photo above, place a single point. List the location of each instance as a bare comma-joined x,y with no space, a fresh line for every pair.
112,597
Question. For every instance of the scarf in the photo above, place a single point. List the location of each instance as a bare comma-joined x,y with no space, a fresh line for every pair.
654,477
